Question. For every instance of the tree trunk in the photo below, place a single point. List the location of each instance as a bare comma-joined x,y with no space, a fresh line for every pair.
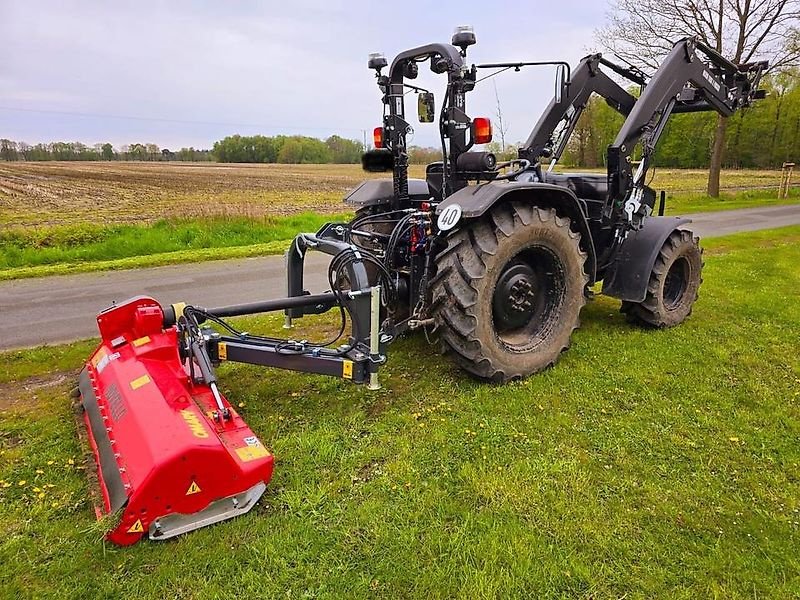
716,156
776,125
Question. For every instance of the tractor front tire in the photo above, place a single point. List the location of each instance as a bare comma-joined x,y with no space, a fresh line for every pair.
673,286
508,291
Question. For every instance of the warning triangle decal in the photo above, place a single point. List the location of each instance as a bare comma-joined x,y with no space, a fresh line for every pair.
193,489
136,527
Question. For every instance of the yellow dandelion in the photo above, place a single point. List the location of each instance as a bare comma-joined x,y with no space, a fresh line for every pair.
22,482
41,495
50,462
36,490
39,472
70,462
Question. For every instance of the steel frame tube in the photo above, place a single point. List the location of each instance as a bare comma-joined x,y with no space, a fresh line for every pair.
272,305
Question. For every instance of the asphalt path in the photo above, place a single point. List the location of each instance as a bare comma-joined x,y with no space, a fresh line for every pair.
62,308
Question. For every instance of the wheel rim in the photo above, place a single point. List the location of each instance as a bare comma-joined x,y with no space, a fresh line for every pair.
527,298
676,282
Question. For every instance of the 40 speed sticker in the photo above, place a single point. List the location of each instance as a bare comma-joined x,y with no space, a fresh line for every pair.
449,217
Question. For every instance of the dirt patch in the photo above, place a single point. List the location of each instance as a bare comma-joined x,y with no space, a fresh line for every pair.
27,395
368,471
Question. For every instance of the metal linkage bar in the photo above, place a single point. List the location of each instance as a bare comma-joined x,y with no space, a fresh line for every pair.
374,337
352,365
318,301
356,361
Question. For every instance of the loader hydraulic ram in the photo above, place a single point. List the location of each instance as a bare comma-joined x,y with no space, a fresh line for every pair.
495,258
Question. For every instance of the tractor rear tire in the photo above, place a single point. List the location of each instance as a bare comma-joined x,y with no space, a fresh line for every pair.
673,286
508,291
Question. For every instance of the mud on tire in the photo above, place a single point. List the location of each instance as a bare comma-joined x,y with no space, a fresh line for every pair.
673,286
508,291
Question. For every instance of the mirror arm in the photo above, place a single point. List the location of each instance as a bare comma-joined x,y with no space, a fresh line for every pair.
415,88
517,65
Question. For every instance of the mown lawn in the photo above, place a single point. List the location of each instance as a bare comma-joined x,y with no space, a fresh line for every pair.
645,464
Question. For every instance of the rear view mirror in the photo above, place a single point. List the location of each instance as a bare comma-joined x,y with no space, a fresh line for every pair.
426,107
561,83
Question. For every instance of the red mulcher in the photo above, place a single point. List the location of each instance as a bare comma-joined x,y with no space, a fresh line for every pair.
172,454
166,457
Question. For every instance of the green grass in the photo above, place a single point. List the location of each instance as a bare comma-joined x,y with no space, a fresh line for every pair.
80,248
679,203
646,464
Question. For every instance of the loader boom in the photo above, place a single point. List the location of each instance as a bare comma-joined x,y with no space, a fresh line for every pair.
547,140
693,77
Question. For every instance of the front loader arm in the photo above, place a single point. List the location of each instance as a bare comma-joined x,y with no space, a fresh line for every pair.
587,79
693,77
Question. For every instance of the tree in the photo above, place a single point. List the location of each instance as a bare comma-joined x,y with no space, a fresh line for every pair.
306,150
8,150
137,152
107,151
502,125
417,155
343,150
153,151
643,31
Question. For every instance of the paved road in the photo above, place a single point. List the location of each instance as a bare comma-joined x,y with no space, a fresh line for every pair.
62,308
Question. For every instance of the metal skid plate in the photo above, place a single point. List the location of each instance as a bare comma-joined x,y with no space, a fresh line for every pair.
169,526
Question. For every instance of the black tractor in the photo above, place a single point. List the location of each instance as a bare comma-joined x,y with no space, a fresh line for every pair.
499,257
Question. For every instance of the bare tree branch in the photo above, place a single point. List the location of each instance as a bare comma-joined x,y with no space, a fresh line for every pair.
641,32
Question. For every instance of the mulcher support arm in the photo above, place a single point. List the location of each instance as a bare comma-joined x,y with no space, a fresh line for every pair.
587,79
693,77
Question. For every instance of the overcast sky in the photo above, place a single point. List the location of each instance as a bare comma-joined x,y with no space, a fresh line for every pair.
188,73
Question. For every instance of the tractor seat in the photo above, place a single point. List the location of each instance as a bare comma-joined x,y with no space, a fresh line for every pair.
590,186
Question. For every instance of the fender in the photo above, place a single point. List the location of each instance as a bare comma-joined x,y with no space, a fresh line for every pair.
628,275
379,192
475,201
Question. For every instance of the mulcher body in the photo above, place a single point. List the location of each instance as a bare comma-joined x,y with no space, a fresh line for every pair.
166,462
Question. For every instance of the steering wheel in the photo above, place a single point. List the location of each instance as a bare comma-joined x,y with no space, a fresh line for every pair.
523,166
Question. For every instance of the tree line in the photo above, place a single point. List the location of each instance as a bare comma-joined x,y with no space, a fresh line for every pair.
235,148
77,151
293,149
